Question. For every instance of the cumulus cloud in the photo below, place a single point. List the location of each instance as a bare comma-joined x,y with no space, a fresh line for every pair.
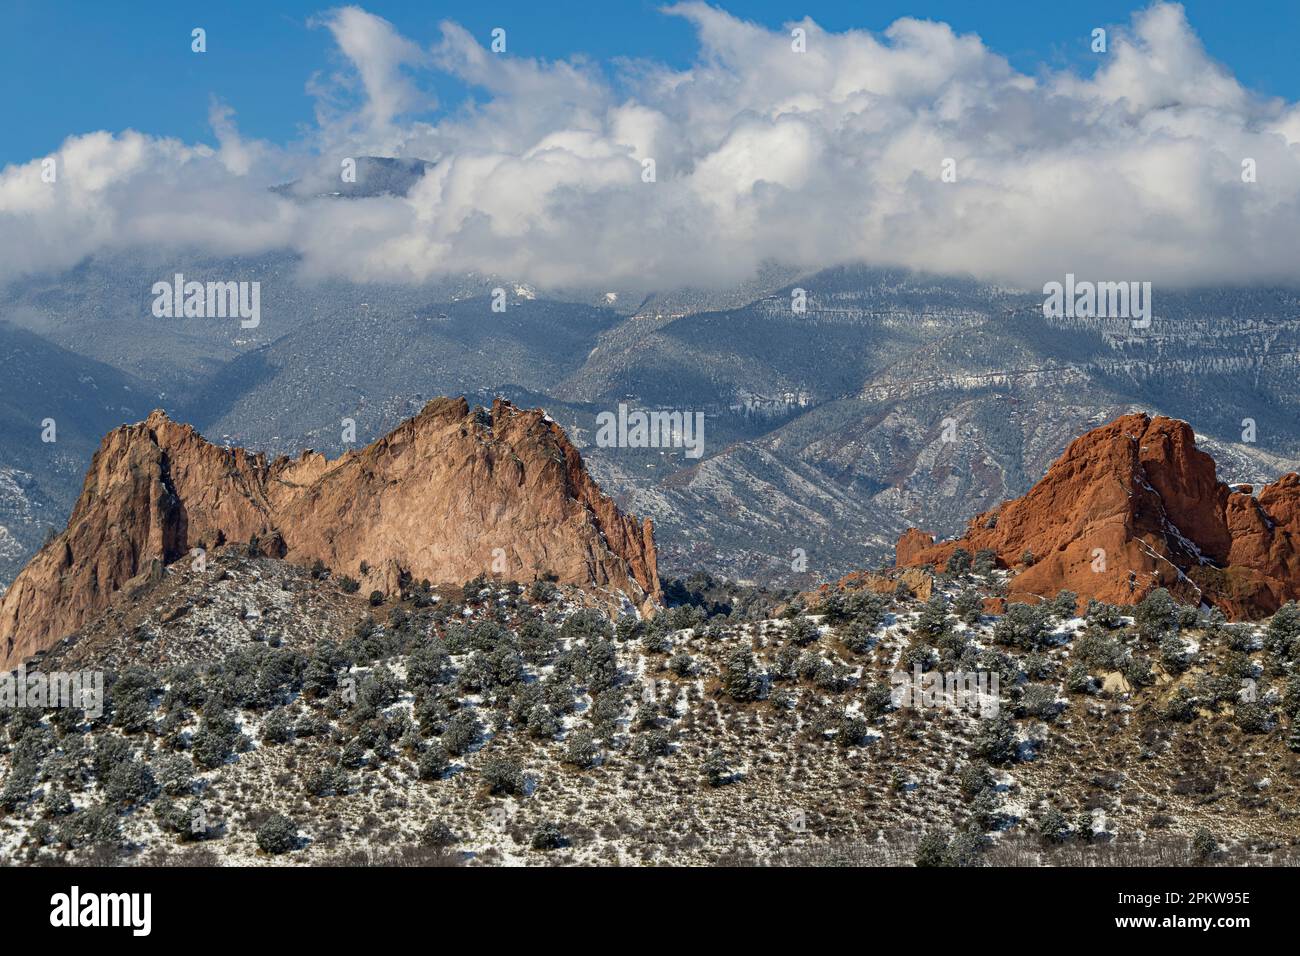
761,153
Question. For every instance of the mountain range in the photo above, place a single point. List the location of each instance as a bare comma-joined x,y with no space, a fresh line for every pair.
893,399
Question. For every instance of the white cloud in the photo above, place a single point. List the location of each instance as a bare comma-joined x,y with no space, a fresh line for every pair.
383,61
811,159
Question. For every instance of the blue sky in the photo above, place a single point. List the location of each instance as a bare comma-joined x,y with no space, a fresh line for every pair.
74,67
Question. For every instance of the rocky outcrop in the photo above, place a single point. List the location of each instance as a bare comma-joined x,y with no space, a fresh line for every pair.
449,494
1132,506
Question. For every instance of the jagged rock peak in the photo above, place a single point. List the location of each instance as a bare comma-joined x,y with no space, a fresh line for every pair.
447,495
1132,506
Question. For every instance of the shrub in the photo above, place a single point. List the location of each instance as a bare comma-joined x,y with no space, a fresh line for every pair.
833,608
1066,604
1097,649
586,624
278,727
867,607
597,664
1083,826
932,850
1023,626
1216,689
58,803
277,835
1103,615
1154,614
985,560
973,779
715,769
1253,717
215,740
1136,669
1181,706
502,774
128,782
437,835
101,826
853,730
581,751
996,740
1237,664
655,641
646,716
18,788
132,700
1174,654
876,699
542,722
537,641
472,590
1039,700
681,664
653,743
803,632
547,837
433,762
858,636
629,628
462,732
964,850
1204,846
606,709
542,592
326,781
188,822
969,606
1053,827
1078,679
427,665
1282,639
933,619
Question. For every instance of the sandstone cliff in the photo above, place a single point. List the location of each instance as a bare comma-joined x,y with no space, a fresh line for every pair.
1132,506
449,494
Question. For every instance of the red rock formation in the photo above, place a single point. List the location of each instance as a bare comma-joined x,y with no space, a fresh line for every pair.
447,495
1132,506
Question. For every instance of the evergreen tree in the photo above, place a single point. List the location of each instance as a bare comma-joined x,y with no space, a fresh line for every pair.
740,679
